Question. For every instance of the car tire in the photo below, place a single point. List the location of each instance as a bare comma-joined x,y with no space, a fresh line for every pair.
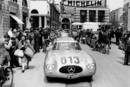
90,78
49,79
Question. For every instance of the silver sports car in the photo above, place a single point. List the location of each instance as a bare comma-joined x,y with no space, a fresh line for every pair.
67,60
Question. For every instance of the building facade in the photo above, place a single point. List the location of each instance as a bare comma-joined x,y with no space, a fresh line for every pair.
1,29
24,12
126,15
54,16
8,7
40,13
116,17
10,15
45,14
84,11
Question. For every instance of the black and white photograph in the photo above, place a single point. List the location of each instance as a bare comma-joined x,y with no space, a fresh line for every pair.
64,43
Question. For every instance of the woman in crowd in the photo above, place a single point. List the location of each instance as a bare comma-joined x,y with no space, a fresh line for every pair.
24,43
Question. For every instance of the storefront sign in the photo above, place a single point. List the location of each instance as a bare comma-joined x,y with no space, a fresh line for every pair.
85,3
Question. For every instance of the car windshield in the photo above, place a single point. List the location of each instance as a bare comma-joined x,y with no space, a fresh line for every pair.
66,46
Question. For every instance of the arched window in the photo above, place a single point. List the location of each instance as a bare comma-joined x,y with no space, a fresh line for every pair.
66,23
65,20
34,11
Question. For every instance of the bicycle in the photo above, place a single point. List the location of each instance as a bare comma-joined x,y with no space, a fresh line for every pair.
7,77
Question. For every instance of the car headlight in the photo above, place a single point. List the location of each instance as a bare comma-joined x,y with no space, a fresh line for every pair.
50,67
91,66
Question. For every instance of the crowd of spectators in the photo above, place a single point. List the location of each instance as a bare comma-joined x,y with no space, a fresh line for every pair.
37,39
101,40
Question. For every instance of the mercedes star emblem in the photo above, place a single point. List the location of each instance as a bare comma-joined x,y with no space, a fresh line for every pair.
71,69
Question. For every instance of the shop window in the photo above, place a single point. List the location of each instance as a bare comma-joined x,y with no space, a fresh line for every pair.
83,14
92,15
101,16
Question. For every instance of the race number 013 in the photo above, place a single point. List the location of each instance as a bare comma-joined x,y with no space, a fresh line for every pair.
73,60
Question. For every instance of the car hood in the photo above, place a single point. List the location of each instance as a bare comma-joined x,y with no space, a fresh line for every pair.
71,57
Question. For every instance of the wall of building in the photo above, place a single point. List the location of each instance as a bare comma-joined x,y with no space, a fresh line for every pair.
85,11
47,16
9,7
23,12
42,6
77,14
54,16
128,25
126,16
1,16
116,17
43,13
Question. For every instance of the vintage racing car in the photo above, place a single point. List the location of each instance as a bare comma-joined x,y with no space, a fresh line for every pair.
67,60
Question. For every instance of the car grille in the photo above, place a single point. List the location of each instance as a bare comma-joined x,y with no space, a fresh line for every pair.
70,69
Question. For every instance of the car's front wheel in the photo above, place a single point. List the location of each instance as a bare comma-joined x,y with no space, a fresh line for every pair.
50,79
89,78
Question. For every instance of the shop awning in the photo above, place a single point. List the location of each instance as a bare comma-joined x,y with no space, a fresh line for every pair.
16,19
